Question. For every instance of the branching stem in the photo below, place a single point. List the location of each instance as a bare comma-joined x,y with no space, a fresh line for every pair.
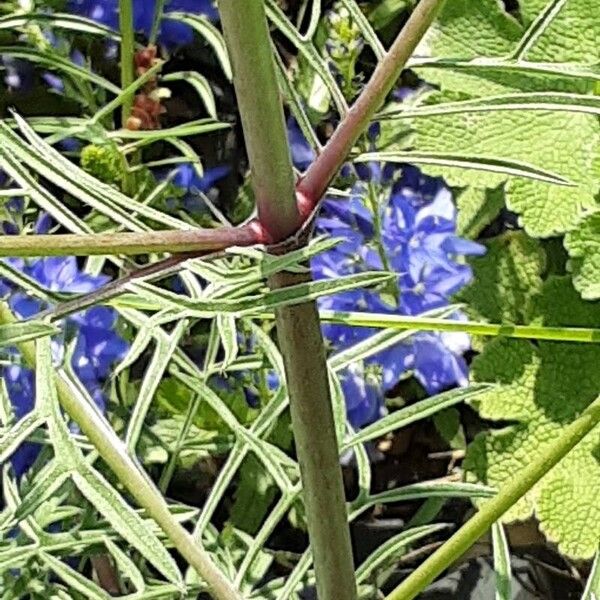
322,171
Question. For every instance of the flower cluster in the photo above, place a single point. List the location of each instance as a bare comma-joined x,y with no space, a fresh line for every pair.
171,33
395,219
88,338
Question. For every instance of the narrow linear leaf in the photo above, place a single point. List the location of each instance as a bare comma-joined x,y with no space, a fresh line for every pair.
308,50
76,581
537,101
592,586
226,324
56,62
393,549
125,521
416,412
503,166
501,562
63,21
126,565
10,335
10,440
207,31
537,28
482,65
365,28
423,491
153,376
200,84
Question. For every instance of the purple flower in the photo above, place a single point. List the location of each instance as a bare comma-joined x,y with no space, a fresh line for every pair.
96,345
171,34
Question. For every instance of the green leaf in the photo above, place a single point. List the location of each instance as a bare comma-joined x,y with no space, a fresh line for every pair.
506,279
57,20
155,372
583,245
592,587
502,565
516,137
449,426
200,84
103,497
567,31
477,208
415,412
307,49
11,438
365,27
471,28
393,549
75,580
226,324
422,491
126,565
482,30
10,335
540,389
125,521
475,162
209,32
55,62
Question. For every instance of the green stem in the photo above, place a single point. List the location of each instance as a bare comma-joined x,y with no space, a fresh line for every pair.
301,343
298,328
127,55
324,168
493,509
528,332
158,13
170,241
127,79
114,453
255,79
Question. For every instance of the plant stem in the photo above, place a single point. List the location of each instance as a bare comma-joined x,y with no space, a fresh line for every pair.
114,453
158,13
493,509
127,55
298,328
128,184
318,176
301,344
171,241
247,37
528,332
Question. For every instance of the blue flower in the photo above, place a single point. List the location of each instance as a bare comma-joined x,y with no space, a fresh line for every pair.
95,344
193,186
394,219
417,241
171,34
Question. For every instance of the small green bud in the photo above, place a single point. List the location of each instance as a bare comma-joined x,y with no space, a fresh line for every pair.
103,162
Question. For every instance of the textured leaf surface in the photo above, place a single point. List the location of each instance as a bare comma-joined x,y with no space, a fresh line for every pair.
570,34
583,244
477,208
538,138
506,279
555,33
541,390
